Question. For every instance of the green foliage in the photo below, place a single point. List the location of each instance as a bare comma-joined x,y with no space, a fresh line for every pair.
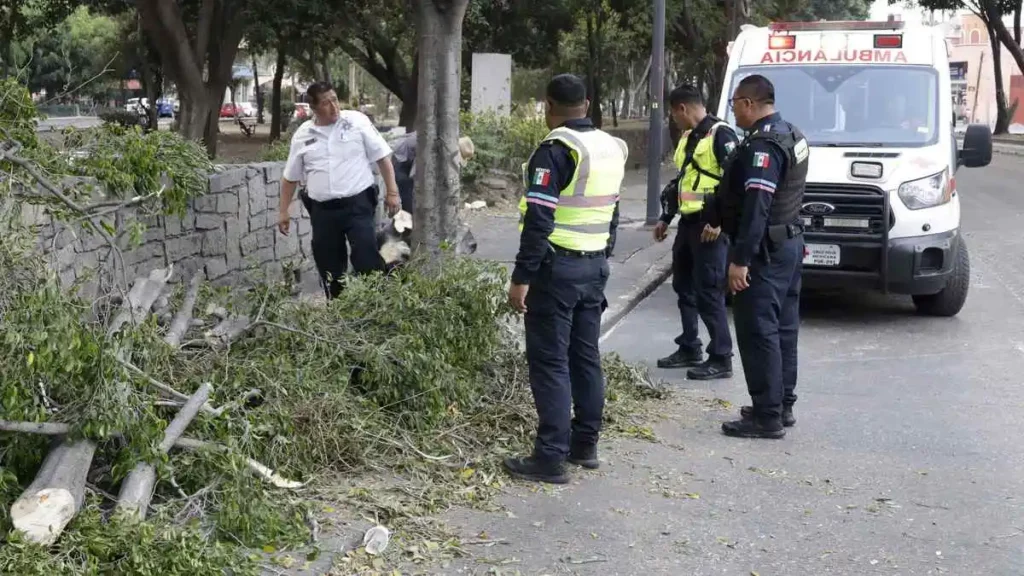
92,547
501,143
120,117
17,113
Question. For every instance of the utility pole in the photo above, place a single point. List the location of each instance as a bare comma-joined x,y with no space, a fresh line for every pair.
655,137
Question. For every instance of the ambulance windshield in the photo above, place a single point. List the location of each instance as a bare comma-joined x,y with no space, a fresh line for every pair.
850,105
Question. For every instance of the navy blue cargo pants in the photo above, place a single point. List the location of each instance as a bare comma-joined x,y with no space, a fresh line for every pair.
563,325
767,317
699,280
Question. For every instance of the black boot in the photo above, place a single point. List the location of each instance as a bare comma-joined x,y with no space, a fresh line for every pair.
714,369
754,428
585,456
788,420
681,359
537,470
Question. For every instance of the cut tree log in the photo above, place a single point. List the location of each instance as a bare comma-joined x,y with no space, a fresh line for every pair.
183,319
141,297
227,331
56,495
137,489
45,428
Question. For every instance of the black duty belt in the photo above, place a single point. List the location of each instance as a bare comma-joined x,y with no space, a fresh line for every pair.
781,232
576,253
337,203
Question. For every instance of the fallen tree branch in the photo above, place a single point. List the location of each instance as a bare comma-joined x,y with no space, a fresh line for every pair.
141,297
137,489
259,469
183,318
44,428
228,331
56,495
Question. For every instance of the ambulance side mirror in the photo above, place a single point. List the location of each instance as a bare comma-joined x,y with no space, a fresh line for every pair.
977,149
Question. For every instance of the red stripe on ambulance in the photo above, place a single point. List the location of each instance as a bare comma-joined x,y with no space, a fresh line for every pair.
795,56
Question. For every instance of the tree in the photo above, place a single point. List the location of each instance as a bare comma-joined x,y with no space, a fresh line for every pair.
197,43
992,13
439,45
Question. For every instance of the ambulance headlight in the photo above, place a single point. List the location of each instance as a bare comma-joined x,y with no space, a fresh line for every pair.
926,192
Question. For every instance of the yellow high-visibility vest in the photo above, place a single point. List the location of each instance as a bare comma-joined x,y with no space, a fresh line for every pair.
703,173
584,209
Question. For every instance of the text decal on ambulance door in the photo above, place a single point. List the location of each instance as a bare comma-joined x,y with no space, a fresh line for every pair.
790,56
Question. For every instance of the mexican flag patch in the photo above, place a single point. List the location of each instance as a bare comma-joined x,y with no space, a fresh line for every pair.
541,177
760,159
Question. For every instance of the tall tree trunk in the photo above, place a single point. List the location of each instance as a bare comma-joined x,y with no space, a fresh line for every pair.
997,29
594,65
325,63
259,92
437,123
276,120
411,92
1002,114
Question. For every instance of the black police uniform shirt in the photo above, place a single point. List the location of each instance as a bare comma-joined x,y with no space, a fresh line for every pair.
725,142
542,199
758,170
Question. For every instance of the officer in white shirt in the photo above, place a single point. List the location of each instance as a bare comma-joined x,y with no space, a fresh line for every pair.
332,154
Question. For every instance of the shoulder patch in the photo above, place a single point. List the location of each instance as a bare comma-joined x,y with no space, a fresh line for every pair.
801,150
761,160
541,177
729,147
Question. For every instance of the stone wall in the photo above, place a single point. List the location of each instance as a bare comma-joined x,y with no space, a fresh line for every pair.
226,234
637,140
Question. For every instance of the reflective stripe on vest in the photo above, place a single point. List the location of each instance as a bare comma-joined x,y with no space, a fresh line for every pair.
584,209
702,175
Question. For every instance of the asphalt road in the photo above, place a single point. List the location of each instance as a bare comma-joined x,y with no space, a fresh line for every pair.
906,459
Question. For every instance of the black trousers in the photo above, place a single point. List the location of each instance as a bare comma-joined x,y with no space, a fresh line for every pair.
563,325
767,316
698,278
336,221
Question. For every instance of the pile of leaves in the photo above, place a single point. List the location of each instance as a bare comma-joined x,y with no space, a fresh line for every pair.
394,401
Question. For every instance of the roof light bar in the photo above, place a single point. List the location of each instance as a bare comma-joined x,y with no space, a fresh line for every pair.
782,42
835,25
888,41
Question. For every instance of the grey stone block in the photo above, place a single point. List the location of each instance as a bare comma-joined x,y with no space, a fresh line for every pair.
243,203
272,172
286,247
264,255
227,179
265,238
306,246
233,251
178,249
227,202
257,201
304,227
216,268
209,222
248,244
214,243
205,203
173,225
253,172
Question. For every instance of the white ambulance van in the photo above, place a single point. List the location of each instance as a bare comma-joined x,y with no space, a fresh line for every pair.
881,209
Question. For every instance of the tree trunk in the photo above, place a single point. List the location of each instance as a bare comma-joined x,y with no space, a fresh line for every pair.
997,30
437,123
276,120
259,92
1002,114
411,93
56,495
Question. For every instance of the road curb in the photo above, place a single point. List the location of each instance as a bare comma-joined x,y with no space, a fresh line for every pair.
656,274
1008,149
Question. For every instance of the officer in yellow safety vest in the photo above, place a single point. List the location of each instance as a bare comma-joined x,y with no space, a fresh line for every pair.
700,251
568,217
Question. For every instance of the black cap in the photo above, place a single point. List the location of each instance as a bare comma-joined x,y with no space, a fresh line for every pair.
567,90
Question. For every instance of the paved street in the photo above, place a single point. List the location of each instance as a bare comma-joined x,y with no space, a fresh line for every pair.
906,458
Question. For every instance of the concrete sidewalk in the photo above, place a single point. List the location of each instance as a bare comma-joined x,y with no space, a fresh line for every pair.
638,266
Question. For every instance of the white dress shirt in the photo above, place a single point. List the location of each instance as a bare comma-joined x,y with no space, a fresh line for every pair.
335,160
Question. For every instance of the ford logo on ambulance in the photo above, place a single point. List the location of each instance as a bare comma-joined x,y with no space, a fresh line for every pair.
818,208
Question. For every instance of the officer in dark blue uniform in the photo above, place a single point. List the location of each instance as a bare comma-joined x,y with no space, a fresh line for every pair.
568,218
699,252
761,212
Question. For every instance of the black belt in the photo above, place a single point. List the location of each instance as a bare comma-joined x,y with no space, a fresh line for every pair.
781,232
576,253
337,203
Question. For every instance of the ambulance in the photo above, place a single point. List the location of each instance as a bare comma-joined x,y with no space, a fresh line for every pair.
881,209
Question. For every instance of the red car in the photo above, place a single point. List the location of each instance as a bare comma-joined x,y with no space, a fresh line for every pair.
229,110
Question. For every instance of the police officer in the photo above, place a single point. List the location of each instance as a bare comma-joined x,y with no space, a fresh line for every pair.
332,154
700,251
567,219
761,212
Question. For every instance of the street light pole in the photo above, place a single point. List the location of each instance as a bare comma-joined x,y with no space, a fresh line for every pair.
655,136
